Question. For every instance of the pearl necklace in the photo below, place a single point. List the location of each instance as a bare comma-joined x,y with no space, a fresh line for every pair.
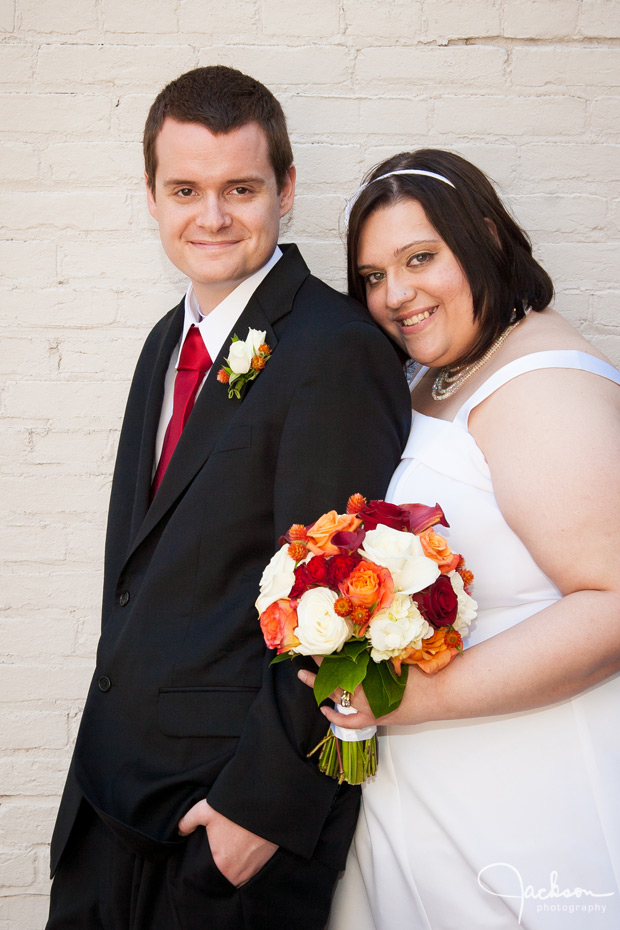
449,380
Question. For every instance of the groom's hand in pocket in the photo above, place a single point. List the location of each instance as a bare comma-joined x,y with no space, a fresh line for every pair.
237,853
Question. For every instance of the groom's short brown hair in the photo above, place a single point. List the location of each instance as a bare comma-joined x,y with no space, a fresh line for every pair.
221,99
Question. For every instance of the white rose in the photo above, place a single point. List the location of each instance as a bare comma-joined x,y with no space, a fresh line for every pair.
467,606
321,631
402,554
398,626
277,579
243,351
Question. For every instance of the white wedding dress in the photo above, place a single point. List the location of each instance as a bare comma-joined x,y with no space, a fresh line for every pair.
496,822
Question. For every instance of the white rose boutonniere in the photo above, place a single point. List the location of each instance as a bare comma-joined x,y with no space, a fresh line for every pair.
246,358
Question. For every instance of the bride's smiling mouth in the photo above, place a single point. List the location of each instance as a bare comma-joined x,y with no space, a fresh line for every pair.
418,318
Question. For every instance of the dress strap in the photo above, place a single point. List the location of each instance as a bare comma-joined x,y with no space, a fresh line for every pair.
554,358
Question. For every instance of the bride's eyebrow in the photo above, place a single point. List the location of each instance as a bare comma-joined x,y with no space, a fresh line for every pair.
415,245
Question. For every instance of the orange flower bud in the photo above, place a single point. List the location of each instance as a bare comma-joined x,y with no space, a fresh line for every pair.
356,503
360,615
343,606
258,363
222,376
264,349
298,531
297,551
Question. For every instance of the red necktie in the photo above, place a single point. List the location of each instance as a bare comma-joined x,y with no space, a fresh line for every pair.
194,363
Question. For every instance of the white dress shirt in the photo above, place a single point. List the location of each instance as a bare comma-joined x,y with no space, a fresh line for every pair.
214,328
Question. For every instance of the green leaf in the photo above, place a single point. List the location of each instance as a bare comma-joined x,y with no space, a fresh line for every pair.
383,687
340,671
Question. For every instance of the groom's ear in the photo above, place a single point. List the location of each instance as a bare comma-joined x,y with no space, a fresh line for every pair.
287,191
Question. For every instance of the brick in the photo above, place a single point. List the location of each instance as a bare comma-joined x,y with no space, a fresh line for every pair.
17,870
7,15
38,257
55,113
19,543
605,308
26,774
326,259
114,164
36,637
117,354
600,18
60,306
319,18
23,912
129,114
31,729
402,17
450,19
468,66
510,116
541,19
321,164
65,402
538,67
573,215
311,117
19,161
285,67
69,17
606,342
316,215
120,262
605,115
83,210
33,496
32,822
124,64
16,64
93,448
235,17
386,115
78,590
120,16
24,355
42,683
585,163
574,266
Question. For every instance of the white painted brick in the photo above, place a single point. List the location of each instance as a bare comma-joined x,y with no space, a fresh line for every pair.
321,164
325,259
113,261
537,67
79,357
123,17
470,66
571,216
17,870
23,912
129,114
38,257
59,306
94,448
113,164
319,18
19,161
582,162
55,113
35,637
574,266
33,822
512,117
311,117
606,308
310,221
7,15
26,773
401,116
69,17
605,342
16,64
235,17
35,683
78,590
399,18
32,729
287,67
20,543
605,116
55,495
600,18
121,64
542,19
23,355
64,402
450,19
81,210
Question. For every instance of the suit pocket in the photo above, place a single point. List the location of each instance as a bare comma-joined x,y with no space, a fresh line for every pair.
204,711
237,437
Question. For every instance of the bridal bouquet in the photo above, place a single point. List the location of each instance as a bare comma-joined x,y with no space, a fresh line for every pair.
372,591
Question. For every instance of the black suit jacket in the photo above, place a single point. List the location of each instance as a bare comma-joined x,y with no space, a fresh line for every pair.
183,704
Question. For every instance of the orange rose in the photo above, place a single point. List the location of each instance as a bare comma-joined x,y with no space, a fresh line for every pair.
437,651
370,586
436,548
321,532
278,623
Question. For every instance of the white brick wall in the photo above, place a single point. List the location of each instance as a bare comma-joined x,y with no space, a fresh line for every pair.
528,89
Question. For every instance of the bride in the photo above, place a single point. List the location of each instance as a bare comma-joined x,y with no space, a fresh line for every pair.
496,801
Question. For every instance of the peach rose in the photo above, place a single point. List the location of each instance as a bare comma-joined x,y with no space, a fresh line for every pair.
278,623
321,532
437,651
436,548
370,586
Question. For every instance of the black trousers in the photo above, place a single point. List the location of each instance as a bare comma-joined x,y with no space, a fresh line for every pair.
100,884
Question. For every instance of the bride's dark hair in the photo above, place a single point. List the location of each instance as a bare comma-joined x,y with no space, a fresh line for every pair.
493,251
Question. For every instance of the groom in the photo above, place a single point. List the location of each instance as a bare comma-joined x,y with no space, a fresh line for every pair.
190,802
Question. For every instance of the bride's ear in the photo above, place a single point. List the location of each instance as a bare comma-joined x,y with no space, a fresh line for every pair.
493,229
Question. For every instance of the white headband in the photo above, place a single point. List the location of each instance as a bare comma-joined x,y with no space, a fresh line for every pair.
428,174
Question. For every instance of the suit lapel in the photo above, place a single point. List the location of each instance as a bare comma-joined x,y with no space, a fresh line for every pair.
214,410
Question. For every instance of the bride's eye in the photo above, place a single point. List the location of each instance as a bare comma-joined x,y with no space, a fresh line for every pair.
420,258
373,278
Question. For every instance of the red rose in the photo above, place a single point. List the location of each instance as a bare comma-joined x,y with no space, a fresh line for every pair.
438,603
381,512
316,569
340,567
303,581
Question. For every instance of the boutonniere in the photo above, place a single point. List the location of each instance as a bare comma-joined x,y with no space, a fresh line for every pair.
246,358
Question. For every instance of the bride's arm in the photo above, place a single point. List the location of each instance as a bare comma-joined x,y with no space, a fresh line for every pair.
552,441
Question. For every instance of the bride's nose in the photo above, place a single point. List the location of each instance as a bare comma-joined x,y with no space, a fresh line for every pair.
399,291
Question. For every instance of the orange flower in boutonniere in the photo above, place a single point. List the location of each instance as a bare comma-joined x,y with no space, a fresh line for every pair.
246,359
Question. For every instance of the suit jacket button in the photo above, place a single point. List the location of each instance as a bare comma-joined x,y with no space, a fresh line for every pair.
124,599
104,683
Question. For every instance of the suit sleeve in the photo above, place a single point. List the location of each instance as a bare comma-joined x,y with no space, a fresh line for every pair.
346,426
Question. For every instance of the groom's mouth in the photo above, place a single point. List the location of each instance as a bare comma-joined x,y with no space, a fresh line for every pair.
418,318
